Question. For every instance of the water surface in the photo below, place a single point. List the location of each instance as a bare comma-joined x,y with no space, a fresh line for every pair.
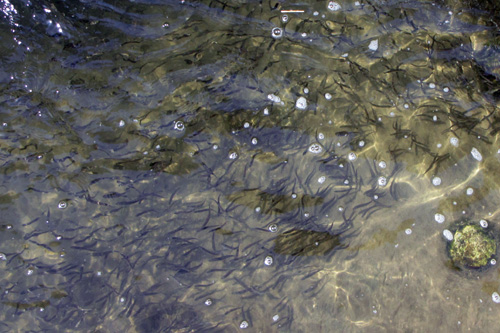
161,173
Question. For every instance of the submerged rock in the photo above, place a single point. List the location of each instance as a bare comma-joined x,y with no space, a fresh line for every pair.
472,247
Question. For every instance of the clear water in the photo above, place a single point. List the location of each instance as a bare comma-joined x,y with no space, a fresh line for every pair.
159,174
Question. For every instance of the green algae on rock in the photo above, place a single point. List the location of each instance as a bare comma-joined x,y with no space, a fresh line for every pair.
472,247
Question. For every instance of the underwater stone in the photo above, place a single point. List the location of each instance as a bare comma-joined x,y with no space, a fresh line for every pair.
472,247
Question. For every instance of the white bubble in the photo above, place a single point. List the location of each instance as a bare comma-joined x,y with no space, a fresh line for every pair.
121,123
277,33
301,103
244,324
254,141
375,197
328,96
208,302
493,262
352,156
284,18
62,204
294,196
268,261
361,143
408,231
406,106
315,148
495,297
454,141
446,89
483,223
434,118
276,317
321,179
3,257
321,136
436,181
215,147
179,126
315,13
246,125
333,6
341,209
346,181
266,112
382,165
476,154
469,191
382,181
233,156
257,209
373,45
306,90
447,234
439,218
29,272
432,85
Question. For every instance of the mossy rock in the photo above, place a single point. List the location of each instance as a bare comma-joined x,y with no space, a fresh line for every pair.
472,247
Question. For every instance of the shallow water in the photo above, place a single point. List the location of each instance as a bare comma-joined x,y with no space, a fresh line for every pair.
158,174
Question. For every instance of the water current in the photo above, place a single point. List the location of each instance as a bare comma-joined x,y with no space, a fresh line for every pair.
265,166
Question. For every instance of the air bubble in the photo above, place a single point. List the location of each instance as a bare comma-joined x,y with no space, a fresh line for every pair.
244,324
294,196
321,179
495,297
274,99
315,148
493,262
439,218
333,6
328,96
454,141
3,257
432,85
208,302
382,165
254,141
277,33
306,90
469,191
373,45
446,89
257,209
284,18
62,204
273,228
121,123
361,143
301,103
476,154
246,125
408,231
483,223
352,156
406,106
382,181
447,234
268,261
233,156
179,126
321,136
276,318
215,147
436,181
